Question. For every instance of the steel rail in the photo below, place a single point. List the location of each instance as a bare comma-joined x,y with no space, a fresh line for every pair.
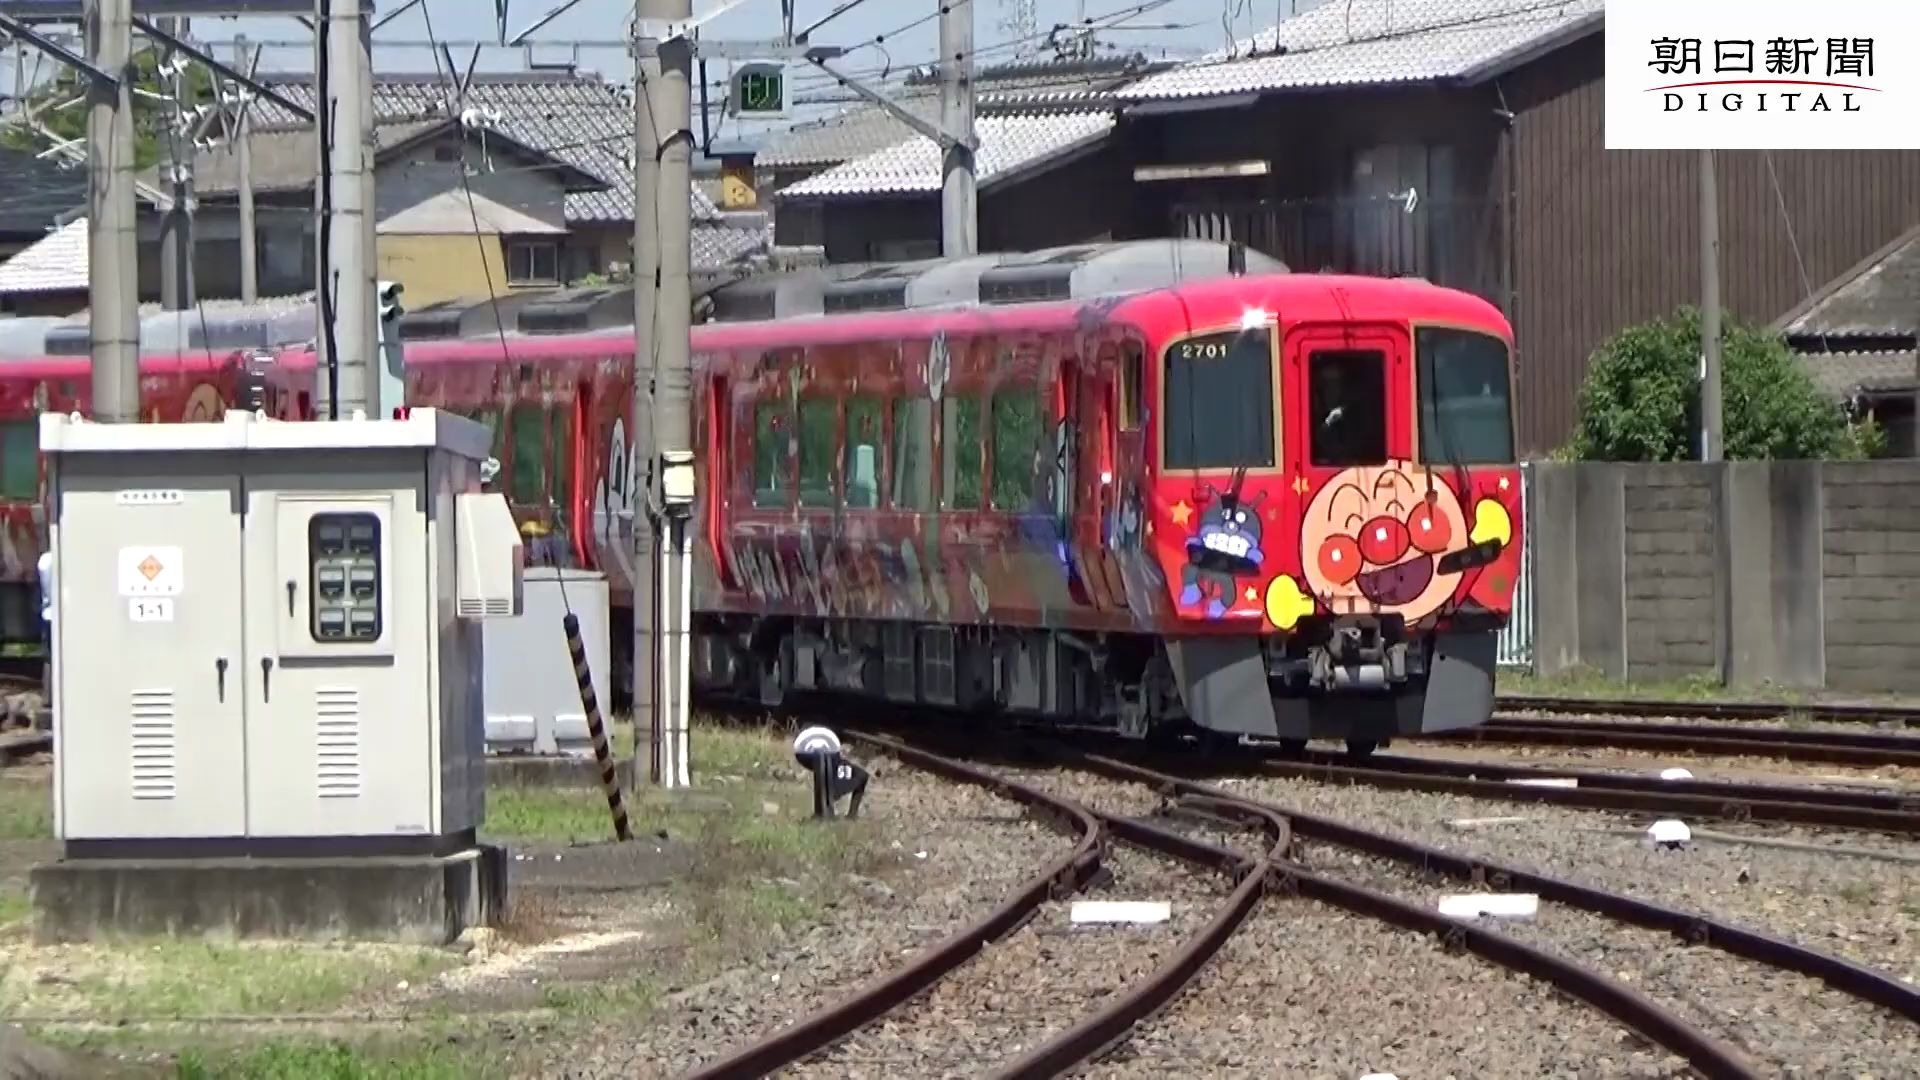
1902,751
1066,875
1852,798
1721,805
1709,710
1278,872
1874,740
1112,1023
1846,976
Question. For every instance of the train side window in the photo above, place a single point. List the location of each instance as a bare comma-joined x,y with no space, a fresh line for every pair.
913,455
1133,385
818,442
560,453
527,476
771,421
1347,406
19,459
1016,447
866,426
964,450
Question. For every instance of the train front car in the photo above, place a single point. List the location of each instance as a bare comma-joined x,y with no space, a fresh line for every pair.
1327,487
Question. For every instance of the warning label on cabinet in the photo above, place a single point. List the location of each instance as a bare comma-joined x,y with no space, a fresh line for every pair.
150,571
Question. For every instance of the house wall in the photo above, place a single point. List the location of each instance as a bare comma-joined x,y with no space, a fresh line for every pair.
1605,239
441,267
1077,200
406,182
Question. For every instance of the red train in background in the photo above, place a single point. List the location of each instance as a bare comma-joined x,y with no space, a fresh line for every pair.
1138,486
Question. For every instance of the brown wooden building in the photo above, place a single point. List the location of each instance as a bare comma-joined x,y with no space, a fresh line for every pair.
1464,142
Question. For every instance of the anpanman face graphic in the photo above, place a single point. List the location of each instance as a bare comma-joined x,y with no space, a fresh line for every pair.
1372,537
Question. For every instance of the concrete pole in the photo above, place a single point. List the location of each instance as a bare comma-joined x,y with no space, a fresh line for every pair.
177,291
1712,447
249,239
345,279
663,378
113,254
959,230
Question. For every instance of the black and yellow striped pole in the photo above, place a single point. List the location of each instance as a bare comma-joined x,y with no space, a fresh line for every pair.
596,727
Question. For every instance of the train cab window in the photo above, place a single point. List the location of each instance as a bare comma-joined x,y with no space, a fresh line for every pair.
1016,447
963,449
913,455
1218,406
19,460
771,421
866,427
818,441
1464,386
1347,406
1133,385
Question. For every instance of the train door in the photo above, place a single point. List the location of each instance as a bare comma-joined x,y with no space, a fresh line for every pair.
1081,460
718,451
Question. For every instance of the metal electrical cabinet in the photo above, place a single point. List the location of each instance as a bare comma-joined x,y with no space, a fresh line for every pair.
269,631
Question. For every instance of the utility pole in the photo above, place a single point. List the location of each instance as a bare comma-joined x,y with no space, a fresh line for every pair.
176,226
343,67
249,240
1712,448
113,263
662,385
959,229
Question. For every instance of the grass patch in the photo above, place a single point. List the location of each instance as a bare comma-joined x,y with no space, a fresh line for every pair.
15,907
588,1001
1592,684
186,980
26,806
324,1060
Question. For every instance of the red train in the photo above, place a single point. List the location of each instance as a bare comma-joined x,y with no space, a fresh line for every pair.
1111,488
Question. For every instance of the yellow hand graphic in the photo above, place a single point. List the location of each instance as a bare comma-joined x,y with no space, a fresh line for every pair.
1491,522
1286,604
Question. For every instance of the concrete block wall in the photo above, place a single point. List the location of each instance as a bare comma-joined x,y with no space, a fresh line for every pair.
1792,573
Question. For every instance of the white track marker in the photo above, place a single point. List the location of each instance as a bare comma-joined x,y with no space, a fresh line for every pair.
1120,911
1551,781
1669,833
1675,774
1490,905
1485,822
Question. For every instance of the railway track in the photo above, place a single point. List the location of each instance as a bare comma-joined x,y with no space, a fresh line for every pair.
1708,710
1278,870
1862,749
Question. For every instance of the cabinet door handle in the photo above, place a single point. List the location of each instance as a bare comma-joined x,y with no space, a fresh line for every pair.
220,673
266,678
291,586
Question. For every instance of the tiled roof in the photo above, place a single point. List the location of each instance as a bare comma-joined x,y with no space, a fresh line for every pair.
37,190
1009,89
1878,298
1371,42
1839,374
284,158
54,264
578,118
1009,145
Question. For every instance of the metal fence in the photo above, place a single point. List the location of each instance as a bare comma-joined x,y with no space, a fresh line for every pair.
1516,641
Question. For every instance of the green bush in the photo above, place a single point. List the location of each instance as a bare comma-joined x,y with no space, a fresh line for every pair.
1641,399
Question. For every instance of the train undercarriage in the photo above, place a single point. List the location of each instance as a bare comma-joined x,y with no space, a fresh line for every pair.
1354,681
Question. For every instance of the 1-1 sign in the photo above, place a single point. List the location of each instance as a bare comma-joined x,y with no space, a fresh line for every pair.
759,90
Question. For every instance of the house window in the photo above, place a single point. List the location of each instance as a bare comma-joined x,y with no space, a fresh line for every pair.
533,262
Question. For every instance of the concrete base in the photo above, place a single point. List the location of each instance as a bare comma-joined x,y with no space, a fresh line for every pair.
534,771
418,900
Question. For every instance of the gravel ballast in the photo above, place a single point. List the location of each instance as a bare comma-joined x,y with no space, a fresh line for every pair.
1863,910
1034,985
966,850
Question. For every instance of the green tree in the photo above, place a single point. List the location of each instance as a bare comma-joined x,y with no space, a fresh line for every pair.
150,115
1641,399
